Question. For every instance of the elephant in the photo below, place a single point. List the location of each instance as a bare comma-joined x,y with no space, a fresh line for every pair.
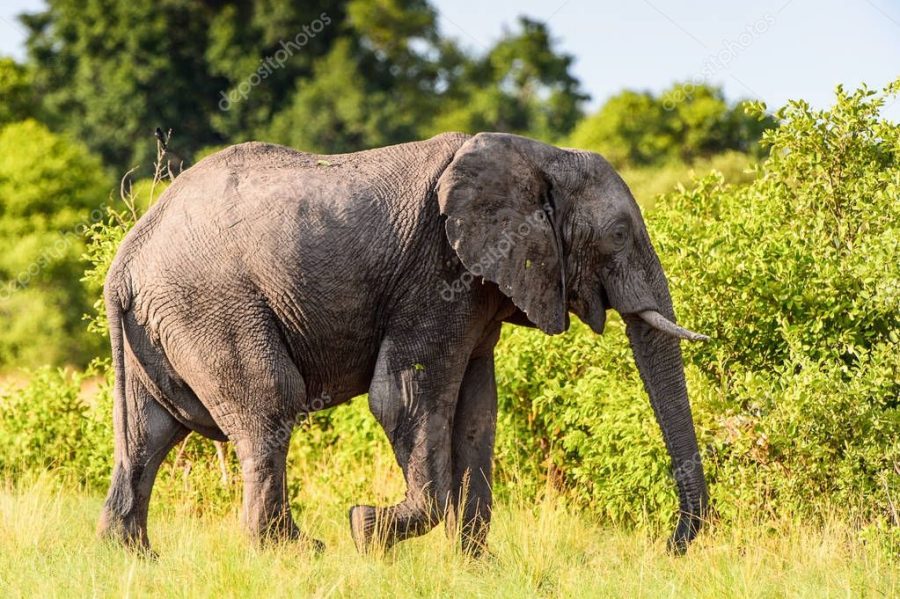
268,283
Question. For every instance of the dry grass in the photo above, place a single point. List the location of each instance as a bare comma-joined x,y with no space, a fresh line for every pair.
47,548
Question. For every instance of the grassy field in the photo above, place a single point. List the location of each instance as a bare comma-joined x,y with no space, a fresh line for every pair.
48,549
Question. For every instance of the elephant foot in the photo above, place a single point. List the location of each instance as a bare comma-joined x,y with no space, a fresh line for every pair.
314,545
285,531
125,533
686,531
365,531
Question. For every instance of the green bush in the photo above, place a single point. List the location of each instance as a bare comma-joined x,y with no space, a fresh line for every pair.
573,415
647,183
796,276
47,425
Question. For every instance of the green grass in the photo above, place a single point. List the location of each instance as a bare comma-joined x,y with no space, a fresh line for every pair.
48,549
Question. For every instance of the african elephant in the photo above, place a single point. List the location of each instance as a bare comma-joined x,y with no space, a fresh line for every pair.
267,283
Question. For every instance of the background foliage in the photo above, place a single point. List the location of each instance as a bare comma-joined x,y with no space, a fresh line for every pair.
786,252
50,189
682,124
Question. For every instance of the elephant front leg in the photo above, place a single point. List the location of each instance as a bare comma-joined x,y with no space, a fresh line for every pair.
415,407
472,455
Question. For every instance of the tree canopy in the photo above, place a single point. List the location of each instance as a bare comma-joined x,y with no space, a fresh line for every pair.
326,75
51,189
16,91
683,123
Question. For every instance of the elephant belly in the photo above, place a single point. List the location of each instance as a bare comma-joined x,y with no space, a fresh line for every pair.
334,371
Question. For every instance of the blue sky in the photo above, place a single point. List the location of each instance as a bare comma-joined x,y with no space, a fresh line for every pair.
768,49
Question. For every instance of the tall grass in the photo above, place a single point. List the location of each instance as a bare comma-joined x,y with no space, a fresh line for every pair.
47,548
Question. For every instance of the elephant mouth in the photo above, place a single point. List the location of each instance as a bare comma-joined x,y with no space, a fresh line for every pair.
604,298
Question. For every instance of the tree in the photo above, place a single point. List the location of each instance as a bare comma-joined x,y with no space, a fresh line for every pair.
50,190
683,123
111,71
628,129
522,85
327,75
330,113
377,84
261,51
15,90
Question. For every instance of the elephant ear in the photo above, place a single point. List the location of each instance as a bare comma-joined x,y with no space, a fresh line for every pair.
500,222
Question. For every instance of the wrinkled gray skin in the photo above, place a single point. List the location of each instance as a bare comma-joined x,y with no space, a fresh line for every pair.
267,283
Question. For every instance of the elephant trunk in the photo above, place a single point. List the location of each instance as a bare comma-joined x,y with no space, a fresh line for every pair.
658,358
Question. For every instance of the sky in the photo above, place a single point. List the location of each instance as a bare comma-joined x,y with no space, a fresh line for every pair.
772,50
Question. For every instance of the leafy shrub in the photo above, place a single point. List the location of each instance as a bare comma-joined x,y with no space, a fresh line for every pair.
647,183
573,415
796,276
46,424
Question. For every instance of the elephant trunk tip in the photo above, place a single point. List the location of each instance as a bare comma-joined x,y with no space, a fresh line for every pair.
661,323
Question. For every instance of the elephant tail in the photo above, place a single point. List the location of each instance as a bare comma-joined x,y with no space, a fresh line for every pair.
117,300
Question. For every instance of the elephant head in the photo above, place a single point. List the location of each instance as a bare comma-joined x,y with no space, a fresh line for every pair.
558,230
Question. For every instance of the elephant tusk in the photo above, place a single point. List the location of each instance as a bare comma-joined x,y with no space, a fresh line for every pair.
661,323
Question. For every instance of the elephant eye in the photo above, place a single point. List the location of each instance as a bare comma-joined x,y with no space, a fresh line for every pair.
612,237
619,235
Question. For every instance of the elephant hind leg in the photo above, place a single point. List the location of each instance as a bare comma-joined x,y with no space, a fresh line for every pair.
260,403
144,435
267,511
